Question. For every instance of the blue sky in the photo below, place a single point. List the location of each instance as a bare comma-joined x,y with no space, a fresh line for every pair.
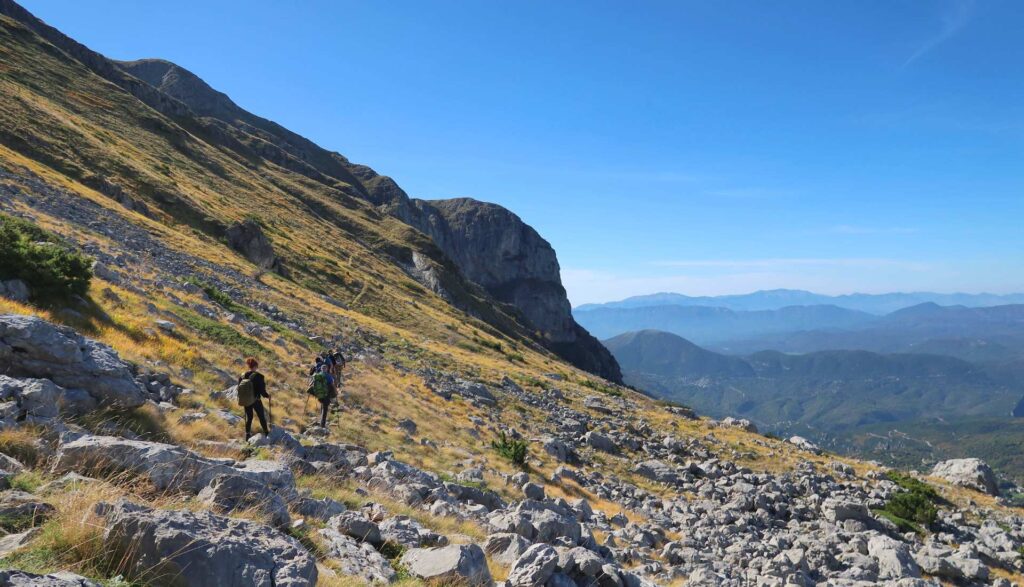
697,147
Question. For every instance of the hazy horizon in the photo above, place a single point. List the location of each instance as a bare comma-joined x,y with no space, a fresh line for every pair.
844,293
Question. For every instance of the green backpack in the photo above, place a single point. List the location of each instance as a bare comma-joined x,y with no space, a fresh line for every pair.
319,388
246,392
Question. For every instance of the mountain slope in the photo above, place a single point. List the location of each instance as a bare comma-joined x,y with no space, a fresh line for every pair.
200,118
668,355
828,395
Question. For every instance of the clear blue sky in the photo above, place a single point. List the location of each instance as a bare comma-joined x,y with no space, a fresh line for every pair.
699,147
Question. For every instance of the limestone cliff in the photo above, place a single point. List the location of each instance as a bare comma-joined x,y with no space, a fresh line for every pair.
497,250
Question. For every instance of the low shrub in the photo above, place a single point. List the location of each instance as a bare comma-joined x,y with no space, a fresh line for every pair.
512,449
52,270
916,503
913,506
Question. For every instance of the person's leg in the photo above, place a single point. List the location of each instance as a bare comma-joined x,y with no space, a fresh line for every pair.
262,413
325,405
248,422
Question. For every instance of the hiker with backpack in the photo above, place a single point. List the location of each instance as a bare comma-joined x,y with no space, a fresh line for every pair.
251,387
323,389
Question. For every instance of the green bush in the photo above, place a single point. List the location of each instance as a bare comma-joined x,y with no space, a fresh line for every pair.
53,271
913,506
912,484
916,503
512,449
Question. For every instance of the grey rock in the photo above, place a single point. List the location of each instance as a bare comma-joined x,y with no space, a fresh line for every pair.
534,567
226,493
201,549
971,473
15,289
893,557
533,491
165,465
356,525
13,578
248,239
600,442
33,347
463,564
357,559
505,547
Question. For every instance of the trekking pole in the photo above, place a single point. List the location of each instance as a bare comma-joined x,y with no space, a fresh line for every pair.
270,412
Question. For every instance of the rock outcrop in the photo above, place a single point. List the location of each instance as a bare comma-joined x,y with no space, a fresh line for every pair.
86,370
248,239
495,249
201,549
972,473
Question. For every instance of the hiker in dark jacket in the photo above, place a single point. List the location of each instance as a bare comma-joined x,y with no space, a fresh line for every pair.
332,392
259,384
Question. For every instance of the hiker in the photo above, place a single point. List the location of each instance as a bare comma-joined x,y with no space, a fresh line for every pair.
251,387
316,366
323,389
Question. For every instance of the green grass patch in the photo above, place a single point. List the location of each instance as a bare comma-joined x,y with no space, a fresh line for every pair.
221,334
28,481
902,524
598,387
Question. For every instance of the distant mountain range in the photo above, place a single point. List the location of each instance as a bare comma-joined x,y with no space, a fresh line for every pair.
991,334
835,397
716,325
780,298
846,400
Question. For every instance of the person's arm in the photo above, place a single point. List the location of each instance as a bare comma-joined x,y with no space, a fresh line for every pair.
263,386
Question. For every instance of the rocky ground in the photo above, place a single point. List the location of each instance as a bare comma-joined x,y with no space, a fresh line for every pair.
702,519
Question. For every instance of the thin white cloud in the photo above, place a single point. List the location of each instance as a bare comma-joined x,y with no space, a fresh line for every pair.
956,15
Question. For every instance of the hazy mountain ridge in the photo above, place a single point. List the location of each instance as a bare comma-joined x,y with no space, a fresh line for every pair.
780,298
830,396
710,325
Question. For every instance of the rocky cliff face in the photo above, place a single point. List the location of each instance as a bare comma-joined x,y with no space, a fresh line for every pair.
497,250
